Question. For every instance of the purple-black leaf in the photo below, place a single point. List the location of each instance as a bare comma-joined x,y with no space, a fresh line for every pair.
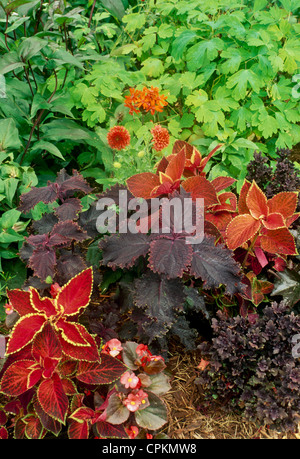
215,266
69,209
170,256
43,262
160,297
70,230
46,194
69,265
122,250
69,184
45,224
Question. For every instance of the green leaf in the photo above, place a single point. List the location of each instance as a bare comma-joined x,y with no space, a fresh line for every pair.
15,4
153,67
9,62
30,47
50,147
8,236
241,80
268,126
180,43
159,384
9,135
129,354
154,416
63,57
203,52
134,21
233,58
9,218
17,24
115,7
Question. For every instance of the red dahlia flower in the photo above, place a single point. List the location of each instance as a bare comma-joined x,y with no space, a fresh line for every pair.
118,137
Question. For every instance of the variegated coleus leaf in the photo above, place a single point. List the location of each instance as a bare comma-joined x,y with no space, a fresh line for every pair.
62,311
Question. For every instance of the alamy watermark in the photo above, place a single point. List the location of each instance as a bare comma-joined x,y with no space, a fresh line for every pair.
177,215
296,88
296,348
2,87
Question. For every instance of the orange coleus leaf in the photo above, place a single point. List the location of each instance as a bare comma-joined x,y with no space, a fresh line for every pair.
223,199
141,185
240,230
148,185
200,187
279,241
274,221
219,219
256,201
284,203
220,183
176,166
242,205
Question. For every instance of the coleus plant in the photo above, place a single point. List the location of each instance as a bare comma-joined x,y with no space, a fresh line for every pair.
261,224
169,262
56,231
51,357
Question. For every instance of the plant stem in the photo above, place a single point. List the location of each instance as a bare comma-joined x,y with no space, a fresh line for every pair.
38,120
91,15
249,249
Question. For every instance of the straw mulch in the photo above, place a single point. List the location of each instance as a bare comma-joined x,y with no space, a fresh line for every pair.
189,419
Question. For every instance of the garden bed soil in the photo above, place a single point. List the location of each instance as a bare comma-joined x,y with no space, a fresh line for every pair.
190,418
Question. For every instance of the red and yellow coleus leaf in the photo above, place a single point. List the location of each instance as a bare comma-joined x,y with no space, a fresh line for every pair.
59,311
52,398
19,377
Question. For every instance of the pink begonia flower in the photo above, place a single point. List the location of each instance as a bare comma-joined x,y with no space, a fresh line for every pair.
132,432
8,308
143,397
155,358
112,347
132,402
130,380
142,350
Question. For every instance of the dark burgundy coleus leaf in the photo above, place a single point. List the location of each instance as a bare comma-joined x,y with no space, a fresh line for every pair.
215,266
170,256
69,209
122,250
160,297
64,187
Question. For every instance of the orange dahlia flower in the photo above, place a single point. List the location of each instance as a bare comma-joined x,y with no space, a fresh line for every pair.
118,137
161,137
